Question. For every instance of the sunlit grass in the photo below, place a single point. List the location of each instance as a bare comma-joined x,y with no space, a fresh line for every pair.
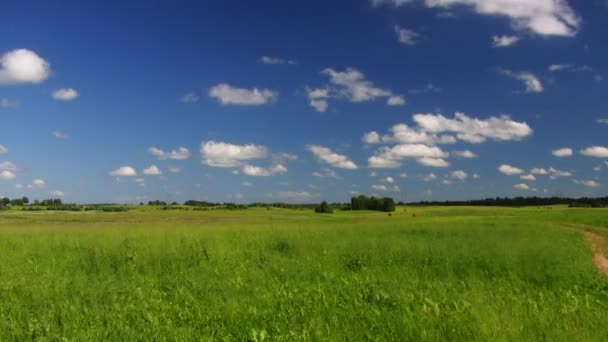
421,274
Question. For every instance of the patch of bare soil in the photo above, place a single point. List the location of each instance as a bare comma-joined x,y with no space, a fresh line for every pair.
598,245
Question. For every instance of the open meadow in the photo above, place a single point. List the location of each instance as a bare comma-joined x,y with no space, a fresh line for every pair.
428,273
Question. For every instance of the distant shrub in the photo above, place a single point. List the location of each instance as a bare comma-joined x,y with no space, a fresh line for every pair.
64,207
362,202
32,209
324,208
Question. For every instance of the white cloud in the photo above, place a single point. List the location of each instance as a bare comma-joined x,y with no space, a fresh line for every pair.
460,175
558,67
429,177
124,171
563,152
391,157
595,151
190,97
6,103
174,169
395,101
521,186
378,187
504,41
181,153
274,60
7,175
590,183
3,149
538,171
257,171
371,138
221,154
529,177
476,176
532,83
542,17
406,36
23,66
474,130
7,165
602,121
60,135
39,183
326,155
464,154
402,133
554,173
229,95
510,170
389,180
140,180
352,85
295,196
152,170
318,98
57,193
325,173
65,94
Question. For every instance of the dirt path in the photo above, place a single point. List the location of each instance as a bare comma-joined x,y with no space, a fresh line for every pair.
598,244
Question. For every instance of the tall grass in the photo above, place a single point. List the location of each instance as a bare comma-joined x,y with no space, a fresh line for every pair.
445,274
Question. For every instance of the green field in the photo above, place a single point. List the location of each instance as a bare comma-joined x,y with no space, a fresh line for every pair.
423,274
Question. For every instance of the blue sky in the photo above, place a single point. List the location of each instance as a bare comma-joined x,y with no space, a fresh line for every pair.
248,101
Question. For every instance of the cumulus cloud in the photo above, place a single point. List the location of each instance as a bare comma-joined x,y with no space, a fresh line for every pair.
6,103
521,186
464,154
221,154
371,138
181,153
590,183
602,121
229,95
429,177
257,171
23,66
124,171
459,175
7,165
318,98
391,157
510,170
297,196
174,169
352,85
190,97
57,193
563,152
402,133
558,67
406,36
326,155
529,177
60,135
152,170
3,149
38,183
275,60
389,180
595,152
554,173
65,94
504,41
539,171
532,83
474,130
7,175
325,173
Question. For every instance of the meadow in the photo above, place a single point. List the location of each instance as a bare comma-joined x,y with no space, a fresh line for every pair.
421,274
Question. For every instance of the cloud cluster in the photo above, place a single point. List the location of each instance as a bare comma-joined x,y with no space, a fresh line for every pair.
563,152
124,171
595,152
351,85
257,171
532,83
392,157
406,36
504,41
229,95
3,149
181,153
65,94
541,17
152,170
221,154
326,155
276,61
23,66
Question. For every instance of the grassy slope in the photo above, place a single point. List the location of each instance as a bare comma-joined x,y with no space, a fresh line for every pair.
447,273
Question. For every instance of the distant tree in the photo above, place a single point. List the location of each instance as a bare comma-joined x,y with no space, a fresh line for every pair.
25,200
324,208
6,201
